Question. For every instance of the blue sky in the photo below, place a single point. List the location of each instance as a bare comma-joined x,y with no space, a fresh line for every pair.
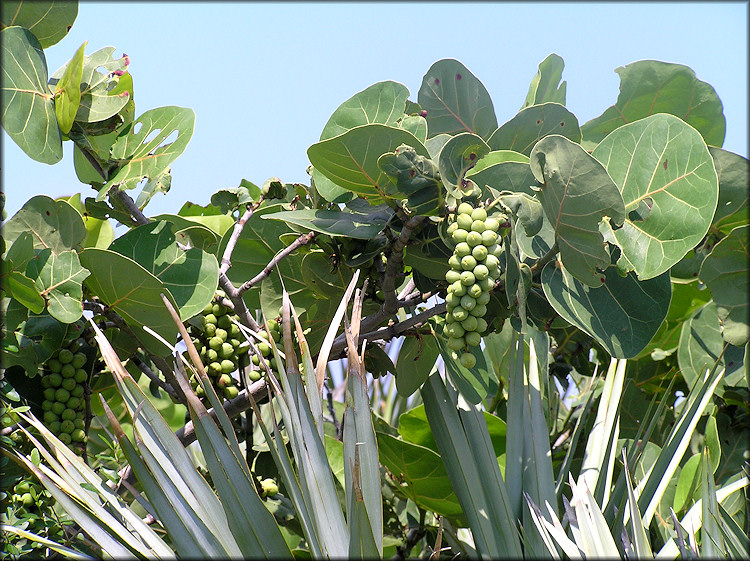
263,78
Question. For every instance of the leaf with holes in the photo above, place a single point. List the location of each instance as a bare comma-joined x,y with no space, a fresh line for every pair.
190,276
532,124
143,154
668,182
415,177
28,107
648,87
48,20
53,224
577,195
350,160
133,293
622,314
545,86
725,272
457,157
103,94
58,279
382,103
456,101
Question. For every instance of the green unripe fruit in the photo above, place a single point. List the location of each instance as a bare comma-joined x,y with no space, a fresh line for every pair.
452,299
214,368
452,276
468,360
215,343
481,325
464,221
65,356
272,364
58,407
272,325
489,237
255,360
212,355
475,290
65,438
79,423
265,349
224,381
49,394
452,227
468,262
459,235
254,375
227,350
473,239
79,359
54,365
479,214
50,417
483,299
210,330
481,272
468,303
69,384
220,293
47,405
234,331
495,249
227,366
81,376
67,426
54,426
219,309
454,262
477,226
457,288
480,310
486,284
492,224
78,435
27,500
62,395
45,382
465,208
200,392
492,262
78,391
68,415
74,403
208,309
230,392
459,314
473,338
467,278
209,318
225,322
269,488
470,323
55,380
462,249
479,252
456,343
221,334
454,330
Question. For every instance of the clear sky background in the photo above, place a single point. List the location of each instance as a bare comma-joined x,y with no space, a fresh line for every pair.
263,78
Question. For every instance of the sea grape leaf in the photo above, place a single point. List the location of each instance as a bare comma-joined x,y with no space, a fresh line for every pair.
328,189
415,124
68,92
23,289
725,272
29,339
428,253
668,182
324,281
648,87
229,199
622,314
456,101
425,480
359,225
545,85
160,183
53,224
144,154
435,144
191,233
734,181
382,103
99,233
532,124
577,195
58,279
133,293
350,160
48,20
20,251
190,276
415,177
103,94
415,361
457,157
28,107
701,346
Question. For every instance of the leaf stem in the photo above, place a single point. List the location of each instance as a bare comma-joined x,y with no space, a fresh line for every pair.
546,258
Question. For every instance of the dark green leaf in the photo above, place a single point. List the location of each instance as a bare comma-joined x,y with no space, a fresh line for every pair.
360,225
68,92
577,195
23,289
545,86
734,188
20,251
58,278
415,177
623,314
28,107
48,20
329,190
457,157
415,361
664,163
532,124
53,224
456,101
648,87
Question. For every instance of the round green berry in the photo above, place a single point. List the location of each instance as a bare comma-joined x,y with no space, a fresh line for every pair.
80,376
468,360
467,278
78,435
47,405
455,343
479,252
459,235
470,323
78,391
50,417
74,403
462,249
209,318
65,356
489,237
54,426
457,288
68,415
468,303
210,330
226,351
452,276
480,310
465,208
481,272
459,314
27,500
69,384
58,407
65,438
464,221
79,359
254,375
227,366
492,224
215,343
67,426
475,290
479,214
477,226
452,227
473,239
62,395
224,381
225,322
221,334
55,380
468,262
473,338
54,365
49,394
454,262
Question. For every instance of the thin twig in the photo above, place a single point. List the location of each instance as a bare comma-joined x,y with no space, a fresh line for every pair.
143,367
240,308
304,239
226,258
546,258
392,331
128,204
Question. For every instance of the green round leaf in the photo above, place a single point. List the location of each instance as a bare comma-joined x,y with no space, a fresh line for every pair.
623,314
457,157
545,86
734,179
415,361
363,225
58,279
48,20
668,183
532,124
54,224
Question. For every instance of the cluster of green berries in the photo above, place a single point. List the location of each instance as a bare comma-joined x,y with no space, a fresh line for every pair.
30,494
474,268
264,347
64,381
219,343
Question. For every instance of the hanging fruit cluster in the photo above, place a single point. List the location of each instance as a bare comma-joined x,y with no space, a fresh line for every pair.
64,381
474,268
264,347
